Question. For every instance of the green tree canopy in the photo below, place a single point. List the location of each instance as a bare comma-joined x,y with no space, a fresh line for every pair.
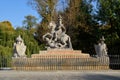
29,22
109,19
47,11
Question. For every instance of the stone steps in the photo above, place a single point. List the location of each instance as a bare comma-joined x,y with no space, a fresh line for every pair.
64,53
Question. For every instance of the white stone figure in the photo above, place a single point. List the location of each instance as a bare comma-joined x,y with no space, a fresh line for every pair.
19,48
57,38
101,48
52,44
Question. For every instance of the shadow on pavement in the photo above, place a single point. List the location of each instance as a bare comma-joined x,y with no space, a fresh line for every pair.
95,77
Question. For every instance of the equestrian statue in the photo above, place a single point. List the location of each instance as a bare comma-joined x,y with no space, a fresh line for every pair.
57,37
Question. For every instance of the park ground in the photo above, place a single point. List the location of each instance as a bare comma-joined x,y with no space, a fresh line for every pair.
60,75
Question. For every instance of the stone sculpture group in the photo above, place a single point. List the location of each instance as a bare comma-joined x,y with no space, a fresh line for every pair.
57,38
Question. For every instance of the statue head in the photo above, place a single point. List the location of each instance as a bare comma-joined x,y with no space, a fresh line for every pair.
102,39
19,40
51,25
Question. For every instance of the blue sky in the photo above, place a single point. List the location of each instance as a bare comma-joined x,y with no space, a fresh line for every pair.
15,10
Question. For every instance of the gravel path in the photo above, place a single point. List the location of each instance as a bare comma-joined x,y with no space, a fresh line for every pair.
59,75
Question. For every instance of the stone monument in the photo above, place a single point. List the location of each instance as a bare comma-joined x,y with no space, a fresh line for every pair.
19,48
60,54
57,38
101,48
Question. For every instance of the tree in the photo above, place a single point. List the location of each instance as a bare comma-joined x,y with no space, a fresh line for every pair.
108,17
108,14
6,34
47,10
29,22
78,21
6,43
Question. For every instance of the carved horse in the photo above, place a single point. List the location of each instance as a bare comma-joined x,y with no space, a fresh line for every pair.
57,37
65,40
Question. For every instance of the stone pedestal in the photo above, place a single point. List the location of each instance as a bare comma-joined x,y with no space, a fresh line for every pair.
63,53
61,60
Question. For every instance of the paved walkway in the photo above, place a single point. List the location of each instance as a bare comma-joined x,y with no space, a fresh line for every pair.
59,75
